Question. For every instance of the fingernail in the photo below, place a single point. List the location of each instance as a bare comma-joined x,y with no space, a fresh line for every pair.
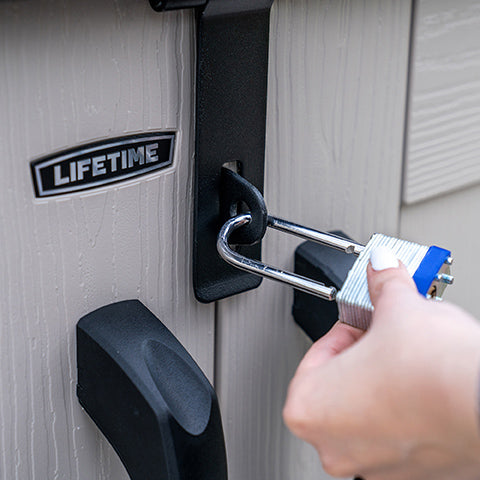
382,257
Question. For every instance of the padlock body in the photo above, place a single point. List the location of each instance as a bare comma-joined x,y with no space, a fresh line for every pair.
422,262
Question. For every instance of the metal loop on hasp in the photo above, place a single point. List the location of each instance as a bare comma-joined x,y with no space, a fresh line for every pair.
259,268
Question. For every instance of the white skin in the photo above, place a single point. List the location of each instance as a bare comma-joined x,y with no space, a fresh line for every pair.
399,401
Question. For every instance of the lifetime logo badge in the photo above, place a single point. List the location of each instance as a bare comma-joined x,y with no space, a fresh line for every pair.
101,163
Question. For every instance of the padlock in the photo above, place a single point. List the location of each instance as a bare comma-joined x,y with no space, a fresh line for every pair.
428,266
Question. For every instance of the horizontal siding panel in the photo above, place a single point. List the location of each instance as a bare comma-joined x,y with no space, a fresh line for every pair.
443,141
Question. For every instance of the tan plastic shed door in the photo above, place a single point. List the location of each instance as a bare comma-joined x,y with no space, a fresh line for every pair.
72,73
336,106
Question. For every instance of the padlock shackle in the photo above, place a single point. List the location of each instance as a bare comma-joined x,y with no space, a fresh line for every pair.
262,269
329,239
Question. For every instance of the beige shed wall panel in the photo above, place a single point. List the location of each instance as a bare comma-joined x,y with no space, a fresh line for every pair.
451,221
444,121
72,72
337,87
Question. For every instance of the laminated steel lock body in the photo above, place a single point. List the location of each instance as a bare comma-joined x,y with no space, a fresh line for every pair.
429,267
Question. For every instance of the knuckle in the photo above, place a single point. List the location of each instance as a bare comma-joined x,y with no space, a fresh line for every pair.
391,288
294,411
336,467
294,418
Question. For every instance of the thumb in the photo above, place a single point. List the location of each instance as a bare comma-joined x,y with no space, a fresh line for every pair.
387,277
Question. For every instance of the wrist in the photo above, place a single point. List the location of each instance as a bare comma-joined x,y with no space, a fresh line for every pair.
462,400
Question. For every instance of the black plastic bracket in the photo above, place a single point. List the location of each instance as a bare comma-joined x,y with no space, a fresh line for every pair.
329,266
231,98
233,39
148,396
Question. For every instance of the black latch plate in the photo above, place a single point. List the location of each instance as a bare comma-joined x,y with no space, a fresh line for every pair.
230,117
233,38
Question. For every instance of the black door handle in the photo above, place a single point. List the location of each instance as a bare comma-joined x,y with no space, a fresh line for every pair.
148,396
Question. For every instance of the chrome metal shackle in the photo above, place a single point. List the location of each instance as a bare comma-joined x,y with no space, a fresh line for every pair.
299,282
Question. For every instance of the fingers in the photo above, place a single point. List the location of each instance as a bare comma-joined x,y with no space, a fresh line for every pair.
339,338
391,281
304,392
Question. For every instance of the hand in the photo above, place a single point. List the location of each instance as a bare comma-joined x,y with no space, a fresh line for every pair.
399,401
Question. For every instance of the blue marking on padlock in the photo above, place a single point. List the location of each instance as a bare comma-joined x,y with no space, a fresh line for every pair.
427,271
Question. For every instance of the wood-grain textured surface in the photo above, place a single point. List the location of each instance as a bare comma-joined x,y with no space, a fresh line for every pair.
444,119
337,92
451,221
72,72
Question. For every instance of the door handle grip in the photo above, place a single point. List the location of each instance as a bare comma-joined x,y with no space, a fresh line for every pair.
148,396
